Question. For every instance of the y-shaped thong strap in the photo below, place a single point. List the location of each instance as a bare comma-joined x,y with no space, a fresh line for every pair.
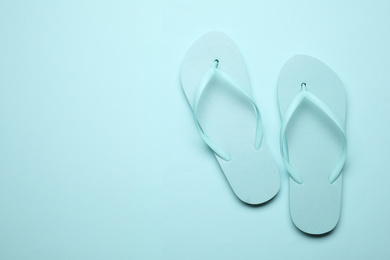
215,72
305,94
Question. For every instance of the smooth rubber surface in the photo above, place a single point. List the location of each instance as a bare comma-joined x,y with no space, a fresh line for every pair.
228,118
314,143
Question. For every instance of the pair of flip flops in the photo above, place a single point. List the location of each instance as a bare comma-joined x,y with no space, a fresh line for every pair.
312,104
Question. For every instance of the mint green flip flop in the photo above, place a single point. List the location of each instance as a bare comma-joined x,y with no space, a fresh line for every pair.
313,143
216,84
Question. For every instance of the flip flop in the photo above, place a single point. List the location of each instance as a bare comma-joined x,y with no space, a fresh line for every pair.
216,84
313,144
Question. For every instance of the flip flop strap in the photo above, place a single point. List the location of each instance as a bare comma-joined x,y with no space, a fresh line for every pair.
305,94
215,72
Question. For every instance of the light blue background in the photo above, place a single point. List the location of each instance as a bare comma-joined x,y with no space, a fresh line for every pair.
99,156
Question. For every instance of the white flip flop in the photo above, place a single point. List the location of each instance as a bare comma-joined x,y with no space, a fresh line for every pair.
312,103
216,84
